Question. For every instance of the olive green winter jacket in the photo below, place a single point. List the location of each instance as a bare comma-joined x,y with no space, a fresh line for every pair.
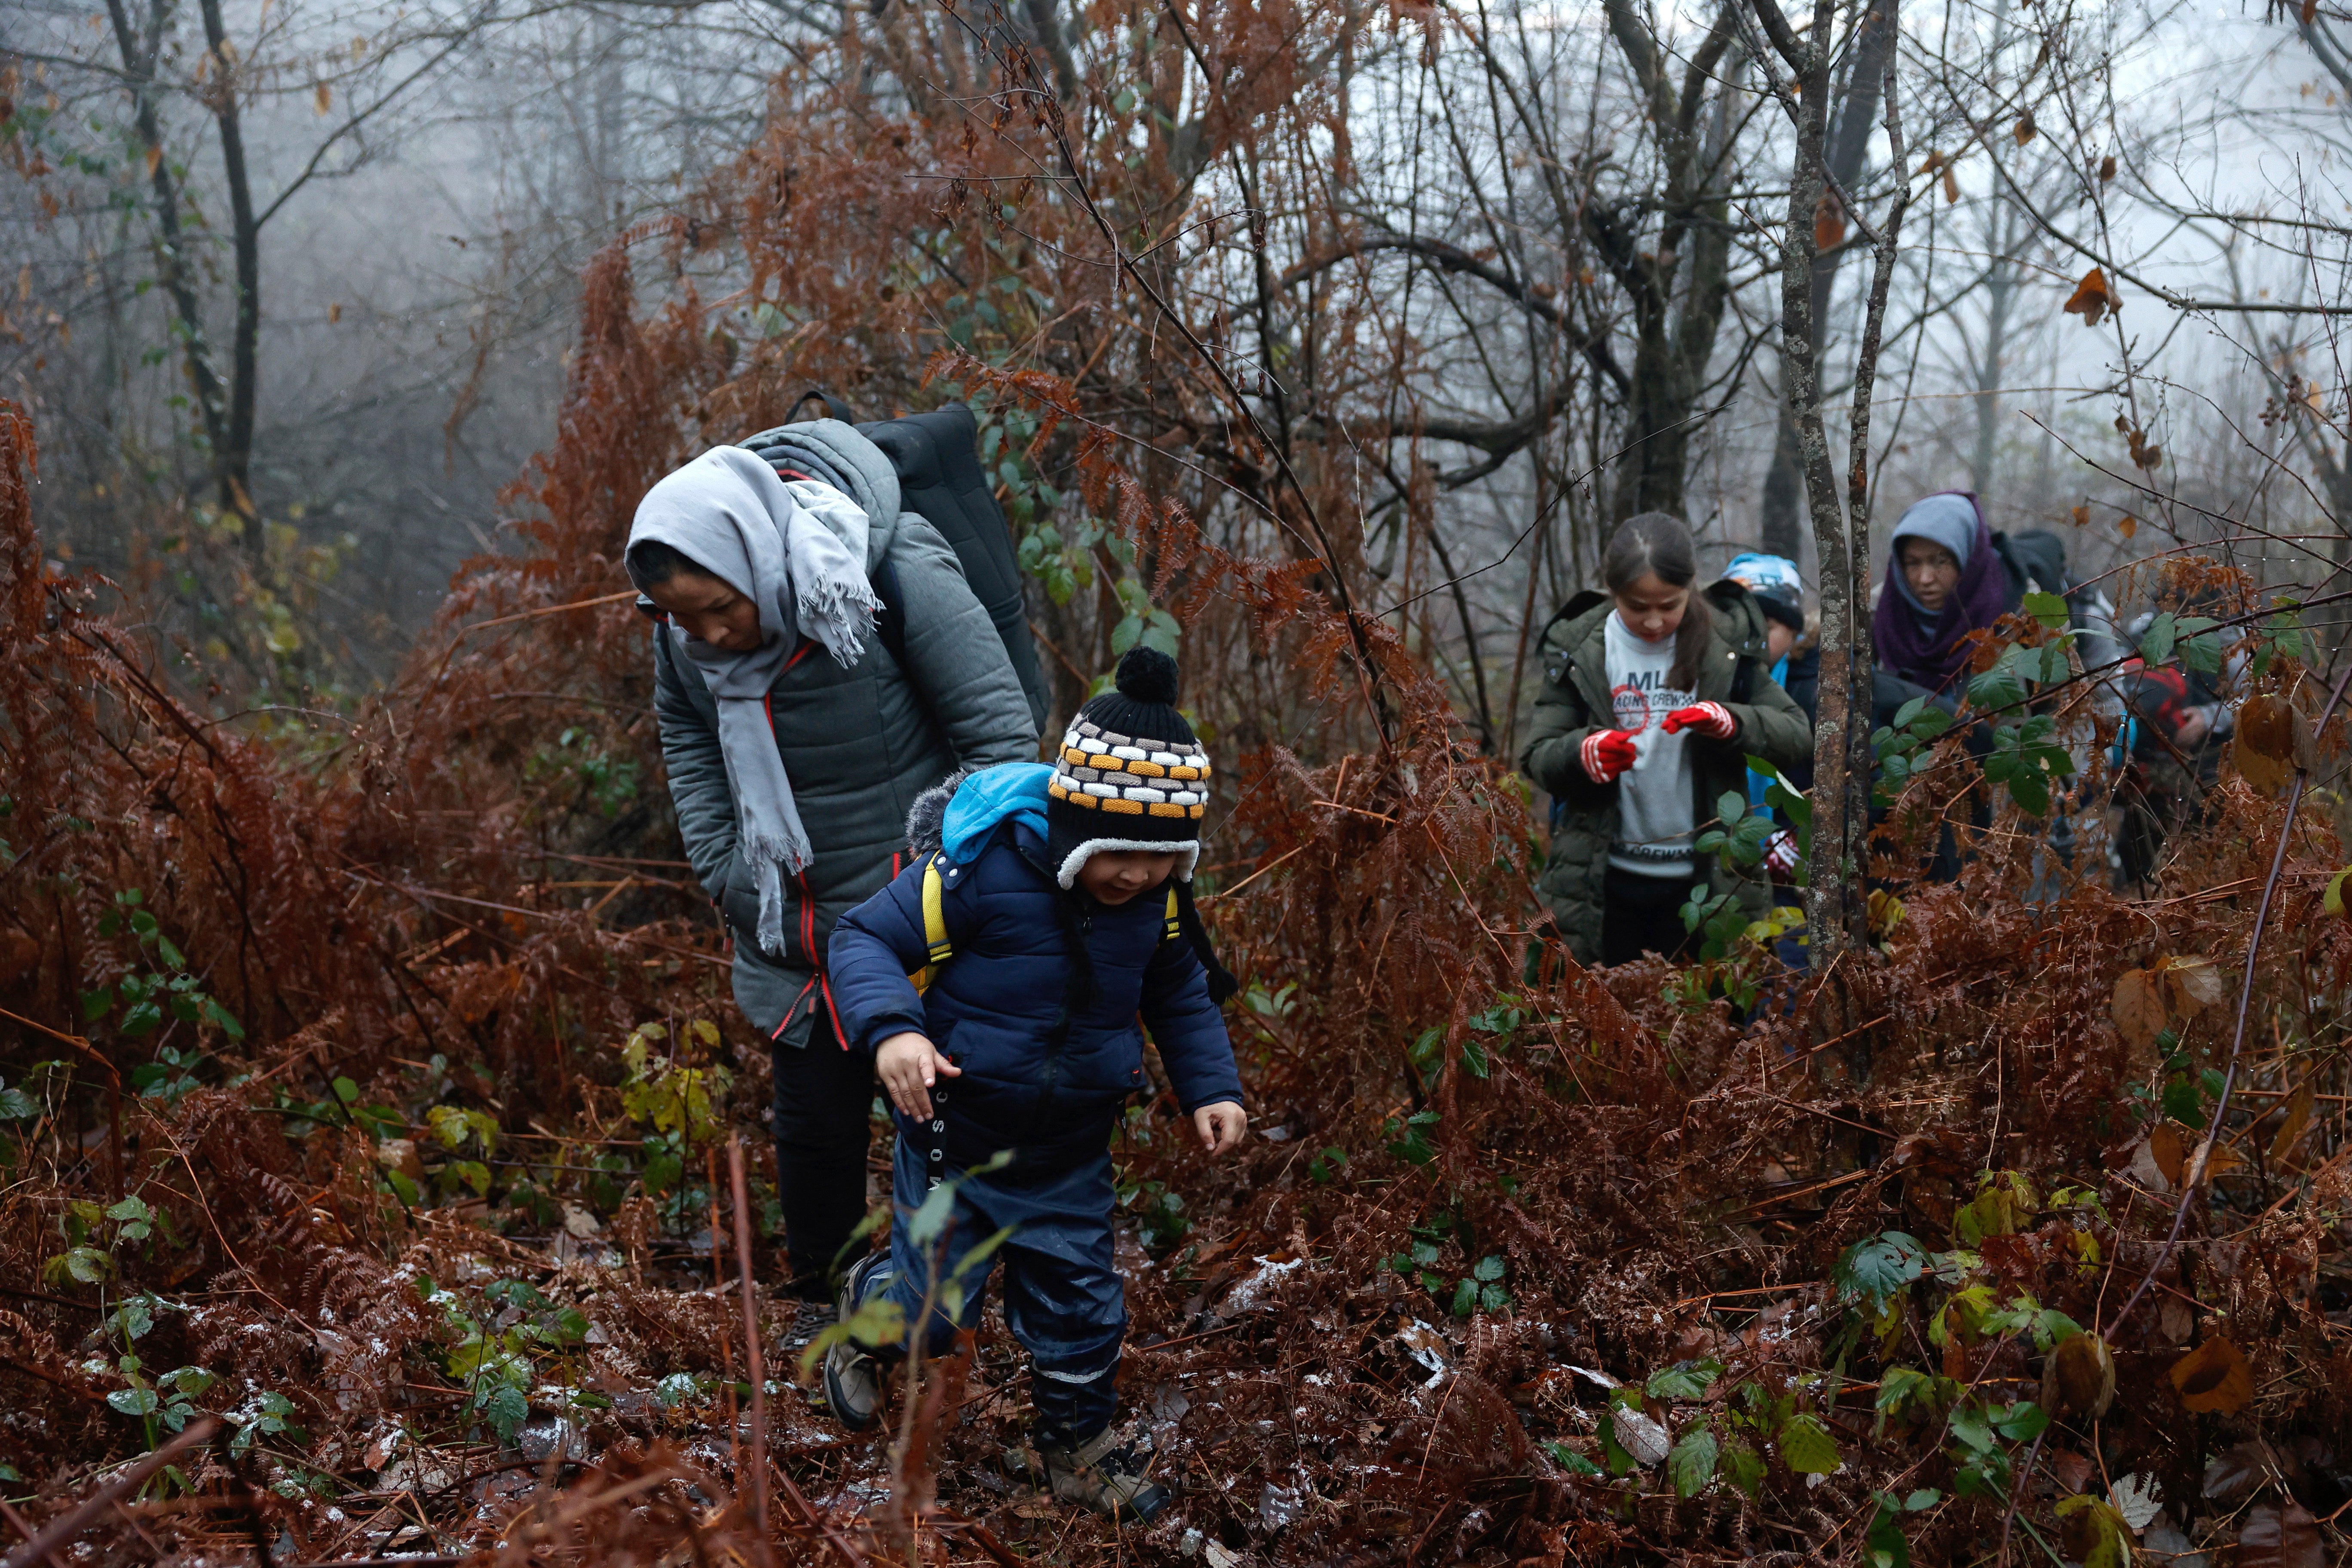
859,744
1574,701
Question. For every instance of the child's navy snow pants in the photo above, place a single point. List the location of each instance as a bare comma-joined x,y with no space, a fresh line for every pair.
1063,1297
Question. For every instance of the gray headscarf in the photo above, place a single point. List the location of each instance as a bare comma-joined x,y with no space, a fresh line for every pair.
797,550
1947,518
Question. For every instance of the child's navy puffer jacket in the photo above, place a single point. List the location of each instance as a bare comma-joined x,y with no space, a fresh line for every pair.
1034,1081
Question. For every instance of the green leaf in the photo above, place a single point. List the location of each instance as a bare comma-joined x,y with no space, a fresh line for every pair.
2022,1422
1806,1446
141,1018
2155,643
1684,1380
1124,100
134,1401
1743,1466
1878,1267
1569,1459
1730,806
506,1409
1490,1268
2033,796
192,1380
930,1222
1465,1298
2050,609
1692,1461
1883,1545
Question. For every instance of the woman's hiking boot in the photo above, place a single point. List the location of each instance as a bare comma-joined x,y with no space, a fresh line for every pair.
853,1374
1106,1474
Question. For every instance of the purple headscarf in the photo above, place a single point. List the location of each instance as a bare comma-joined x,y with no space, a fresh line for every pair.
1929,650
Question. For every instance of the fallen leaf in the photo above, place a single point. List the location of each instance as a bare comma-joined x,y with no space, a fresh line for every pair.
2191,985
2107,168
2023,129
2333,900
2091,298
2139,1499
334,313
1829,222
324,98
2072,1470
2148,1170
2267,773
2285,1536
2170,1150
2310,12
2138,1007
2266,724
1951,188
2236,1471
2127,525
2092,1533
2175,1320
1645,1438
2210,1160
2081,1377
2292,1128
2213,1379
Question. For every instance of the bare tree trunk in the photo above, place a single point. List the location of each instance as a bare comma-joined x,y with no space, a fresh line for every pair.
1833,862
233,460
1874,48
139,58
1858,499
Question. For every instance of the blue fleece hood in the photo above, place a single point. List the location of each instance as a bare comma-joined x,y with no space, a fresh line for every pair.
988,798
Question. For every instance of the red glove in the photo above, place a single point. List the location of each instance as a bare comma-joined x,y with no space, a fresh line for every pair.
1606,753
1707,718
1780,854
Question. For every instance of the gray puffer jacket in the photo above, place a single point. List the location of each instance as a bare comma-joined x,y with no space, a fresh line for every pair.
859,745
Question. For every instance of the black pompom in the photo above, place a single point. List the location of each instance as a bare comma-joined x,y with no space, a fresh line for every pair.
1147,675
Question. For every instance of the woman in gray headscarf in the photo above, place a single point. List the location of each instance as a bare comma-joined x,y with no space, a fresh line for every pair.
796,736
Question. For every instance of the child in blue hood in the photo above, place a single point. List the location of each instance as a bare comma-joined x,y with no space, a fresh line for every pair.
1065,894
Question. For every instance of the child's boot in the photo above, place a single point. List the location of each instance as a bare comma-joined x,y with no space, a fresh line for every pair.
1106,1474
853,1374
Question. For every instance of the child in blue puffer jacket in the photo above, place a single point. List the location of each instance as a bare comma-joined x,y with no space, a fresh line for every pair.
1061,896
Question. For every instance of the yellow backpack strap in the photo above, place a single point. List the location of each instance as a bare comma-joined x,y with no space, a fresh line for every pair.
1175,927
937,948
935,914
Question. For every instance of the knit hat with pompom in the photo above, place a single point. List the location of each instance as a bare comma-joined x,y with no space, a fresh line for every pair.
1129,775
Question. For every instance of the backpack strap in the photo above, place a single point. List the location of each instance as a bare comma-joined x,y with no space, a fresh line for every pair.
938,947
834,407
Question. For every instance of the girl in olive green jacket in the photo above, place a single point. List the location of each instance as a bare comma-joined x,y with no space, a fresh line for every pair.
1654,694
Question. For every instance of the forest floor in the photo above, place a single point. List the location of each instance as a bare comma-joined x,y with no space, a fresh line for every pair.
372,1096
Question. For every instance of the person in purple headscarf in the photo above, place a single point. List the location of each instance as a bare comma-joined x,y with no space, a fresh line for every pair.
1944,580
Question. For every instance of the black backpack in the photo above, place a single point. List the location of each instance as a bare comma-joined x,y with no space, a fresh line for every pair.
937,457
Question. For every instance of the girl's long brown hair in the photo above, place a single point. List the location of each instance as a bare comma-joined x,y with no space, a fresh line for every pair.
1660,542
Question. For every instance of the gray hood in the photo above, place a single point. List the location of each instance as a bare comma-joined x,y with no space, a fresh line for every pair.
842,457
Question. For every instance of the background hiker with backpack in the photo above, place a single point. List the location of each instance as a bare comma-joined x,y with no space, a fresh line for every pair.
821,660
1000,981
1654,695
